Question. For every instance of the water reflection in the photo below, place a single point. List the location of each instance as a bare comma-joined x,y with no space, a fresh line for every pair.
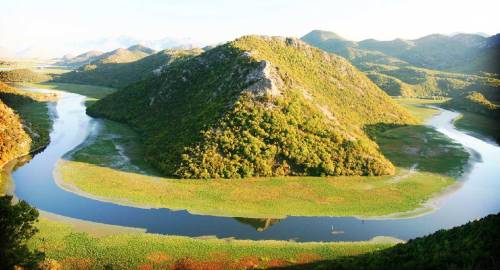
259,224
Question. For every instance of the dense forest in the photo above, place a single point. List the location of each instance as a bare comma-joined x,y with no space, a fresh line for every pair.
258,106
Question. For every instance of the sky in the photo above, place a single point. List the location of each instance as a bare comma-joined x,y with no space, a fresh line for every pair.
57,27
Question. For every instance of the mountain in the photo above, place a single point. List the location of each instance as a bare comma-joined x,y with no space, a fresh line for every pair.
132,53
141,48
122,74
258,106
80,60
441,52
420,67
121,55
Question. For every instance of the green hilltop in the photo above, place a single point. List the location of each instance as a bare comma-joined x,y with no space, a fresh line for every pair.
80,60
122,74
258,106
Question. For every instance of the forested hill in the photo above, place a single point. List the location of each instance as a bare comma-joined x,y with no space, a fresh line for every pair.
428,67
258,106
122,74
441,52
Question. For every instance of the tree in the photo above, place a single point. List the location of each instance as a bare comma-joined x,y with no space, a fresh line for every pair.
16,228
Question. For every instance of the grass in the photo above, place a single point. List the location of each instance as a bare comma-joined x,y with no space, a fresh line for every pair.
91,91
37,121
80,250
112,168
259,197
418,107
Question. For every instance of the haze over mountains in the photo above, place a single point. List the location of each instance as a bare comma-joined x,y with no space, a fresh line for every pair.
102,44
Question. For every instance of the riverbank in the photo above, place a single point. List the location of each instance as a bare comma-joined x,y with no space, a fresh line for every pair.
34,112
74,249
110,167
256,198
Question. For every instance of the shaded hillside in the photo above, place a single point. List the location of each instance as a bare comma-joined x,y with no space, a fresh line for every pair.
475,245
122,74
258,106
22,75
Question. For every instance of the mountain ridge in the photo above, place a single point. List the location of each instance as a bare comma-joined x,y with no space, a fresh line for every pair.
256,106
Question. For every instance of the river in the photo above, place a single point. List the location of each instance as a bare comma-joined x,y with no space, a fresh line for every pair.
478,196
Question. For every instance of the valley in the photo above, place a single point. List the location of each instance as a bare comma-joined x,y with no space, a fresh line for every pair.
258,152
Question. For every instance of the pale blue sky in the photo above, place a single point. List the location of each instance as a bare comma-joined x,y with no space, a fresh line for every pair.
62,25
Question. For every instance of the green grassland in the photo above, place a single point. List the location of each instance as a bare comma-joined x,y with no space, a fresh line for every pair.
74,249
419,107
91,91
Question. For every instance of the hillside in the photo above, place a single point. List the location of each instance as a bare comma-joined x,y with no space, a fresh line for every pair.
14,141
441,52
475,245
122,74
31,111
419,68
258,106
474,102
22,75
80,60
121,55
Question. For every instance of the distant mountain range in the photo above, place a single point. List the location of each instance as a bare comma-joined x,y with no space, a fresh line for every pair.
434,65
460,52
99,70
102,44
121,55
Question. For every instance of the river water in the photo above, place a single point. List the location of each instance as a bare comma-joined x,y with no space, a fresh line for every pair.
478,196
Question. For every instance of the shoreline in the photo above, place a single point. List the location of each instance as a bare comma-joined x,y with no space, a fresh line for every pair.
427,207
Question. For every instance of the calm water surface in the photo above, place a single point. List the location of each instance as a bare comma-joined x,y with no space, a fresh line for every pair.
478,197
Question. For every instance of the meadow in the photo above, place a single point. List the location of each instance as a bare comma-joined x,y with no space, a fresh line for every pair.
74,249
